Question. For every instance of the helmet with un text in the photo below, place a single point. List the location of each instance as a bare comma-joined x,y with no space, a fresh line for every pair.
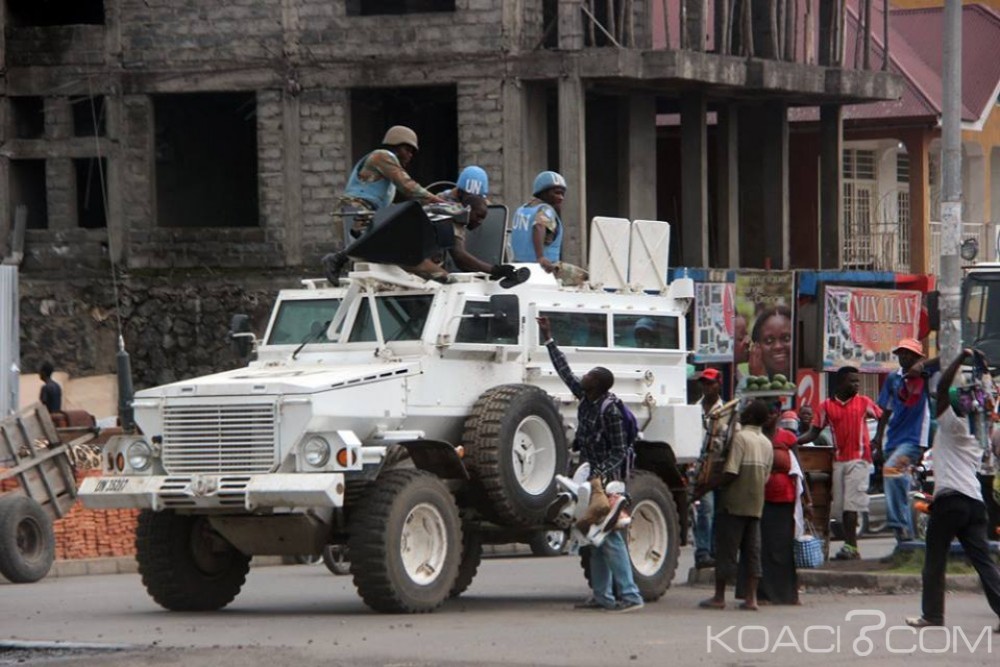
546,180
400,134
474,180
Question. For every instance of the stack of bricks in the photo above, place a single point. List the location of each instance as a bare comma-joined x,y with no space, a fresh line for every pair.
85,533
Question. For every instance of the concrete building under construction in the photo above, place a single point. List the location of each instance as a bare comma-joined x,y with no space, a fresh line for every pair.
160,135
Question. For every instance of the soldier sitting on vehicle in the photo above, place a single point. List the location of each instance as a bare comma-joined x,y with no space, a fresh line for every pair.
373,184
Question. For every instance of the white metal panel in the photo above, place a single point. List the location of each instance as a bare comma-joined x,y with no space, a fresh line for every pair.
649,255
10,351
609,241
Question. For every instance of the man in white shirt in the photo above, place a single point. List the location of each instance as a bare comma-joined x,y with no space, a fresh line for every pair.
957,509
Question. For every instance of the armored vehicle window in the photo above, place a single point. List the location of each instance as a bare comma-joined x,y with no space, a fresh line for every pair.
402,318
578,329
647,331
478,330
302,319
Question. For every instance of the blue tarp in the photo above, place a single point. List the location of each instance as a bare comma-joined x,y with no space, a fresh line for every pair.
808,280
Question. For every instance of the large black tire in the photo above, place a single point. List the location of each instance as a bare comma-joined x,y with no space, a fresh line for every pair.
515,445
27,542
405,543
653,538
185,565
472,556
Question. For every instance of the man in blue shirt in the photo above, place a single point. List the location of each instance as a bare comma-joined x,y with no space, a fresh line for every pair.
905,403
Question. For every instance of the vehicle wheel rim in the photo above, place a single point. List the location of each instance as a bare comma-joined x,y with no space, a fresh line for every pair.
534,455
29,539
647,538
555,539
424,544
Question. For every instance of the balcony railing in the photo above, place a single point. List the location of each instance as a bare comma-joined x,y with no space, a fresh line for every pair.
881,247
984,232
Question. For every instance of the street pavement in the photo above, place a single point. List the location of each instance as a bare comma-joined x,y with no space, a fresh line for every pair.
518,611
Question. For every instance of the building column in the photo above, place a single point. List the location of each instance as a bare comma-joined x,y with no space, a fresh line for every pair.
637,157
694,181
573,167
831,200
918,145
570,25
775,186
693,29
726,250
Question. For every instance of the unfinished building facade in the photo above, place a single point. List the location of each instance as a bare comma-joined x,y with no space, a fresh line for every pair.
160,135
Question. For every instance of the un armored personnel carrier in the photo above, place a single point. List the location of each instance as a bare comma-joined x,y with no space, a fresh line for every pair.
408,421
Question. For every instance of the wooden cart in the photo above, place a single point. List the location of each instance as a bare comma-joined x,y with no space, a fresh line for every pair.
37,486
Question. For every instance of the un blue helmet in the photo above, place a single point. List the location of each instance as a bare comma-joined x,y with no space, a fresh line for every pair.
546,180
474,180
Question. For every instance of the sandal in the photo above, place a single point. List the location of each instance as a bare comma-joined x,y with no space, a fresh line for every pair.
747,607
711,603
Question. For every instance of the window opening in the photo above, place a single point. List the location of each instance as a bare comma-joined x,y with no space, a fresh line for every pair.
27,188
431,111
27,117
206,160
88,116
385,7
90,192
42,13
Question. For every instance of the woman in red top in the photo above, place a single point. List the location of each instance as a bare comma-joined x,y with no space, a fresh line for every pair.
779,583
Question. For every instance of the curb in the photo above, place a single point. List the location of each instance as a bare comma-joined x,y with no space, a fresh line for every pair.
127,564
859,581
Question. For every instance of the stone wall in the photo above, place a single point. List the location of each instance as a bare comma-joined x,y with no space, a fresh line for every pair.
174,324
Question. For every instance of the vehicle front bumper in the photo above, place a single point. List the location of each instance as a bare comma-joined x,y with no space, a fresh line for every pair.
233,492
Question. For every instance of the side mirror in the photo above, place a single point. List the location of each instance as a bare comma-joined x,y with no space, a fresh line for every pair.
505,322
241,339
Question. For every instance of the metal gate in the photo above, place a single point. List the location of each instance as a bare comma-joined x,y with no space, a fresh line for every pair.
10,350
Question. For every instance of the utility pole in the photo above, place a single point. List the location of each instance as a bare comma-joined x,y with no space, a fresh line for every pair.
951,182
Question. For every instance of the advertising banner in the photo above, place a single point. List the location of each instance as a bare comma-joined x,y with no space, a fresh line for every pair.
713,323
765,302
861,326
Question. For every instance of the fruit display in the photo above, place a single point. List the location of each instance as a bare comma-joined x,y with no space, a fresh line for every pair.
759,383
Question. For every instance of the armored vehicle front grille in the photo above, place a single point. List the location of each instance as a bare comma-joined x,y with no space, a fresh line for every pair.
219,438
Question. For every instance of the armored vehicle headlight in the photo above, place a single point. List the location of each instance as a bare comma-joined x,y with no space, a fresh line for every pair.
139,455
316,451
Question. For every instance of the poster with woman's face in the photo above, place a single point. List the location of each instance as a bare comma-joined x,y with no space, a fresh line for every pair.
764,303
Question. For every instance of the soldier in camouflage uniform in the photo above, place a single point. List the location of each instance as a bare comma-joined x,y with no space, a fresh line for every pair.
373,184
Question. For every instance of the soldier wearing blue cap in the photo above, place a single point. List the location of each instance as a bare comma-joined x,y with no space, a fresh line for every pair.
537,232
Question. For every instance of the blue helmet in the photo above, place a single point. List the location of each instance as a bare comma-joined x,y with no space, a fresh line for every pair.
546,180
474,180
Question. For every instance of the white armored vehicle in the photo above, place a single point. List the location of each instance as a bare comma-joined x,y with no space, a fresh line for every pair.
410,422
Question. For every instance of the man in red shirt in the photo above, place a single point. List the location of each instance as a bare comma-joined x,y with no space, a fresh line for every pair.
845,414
